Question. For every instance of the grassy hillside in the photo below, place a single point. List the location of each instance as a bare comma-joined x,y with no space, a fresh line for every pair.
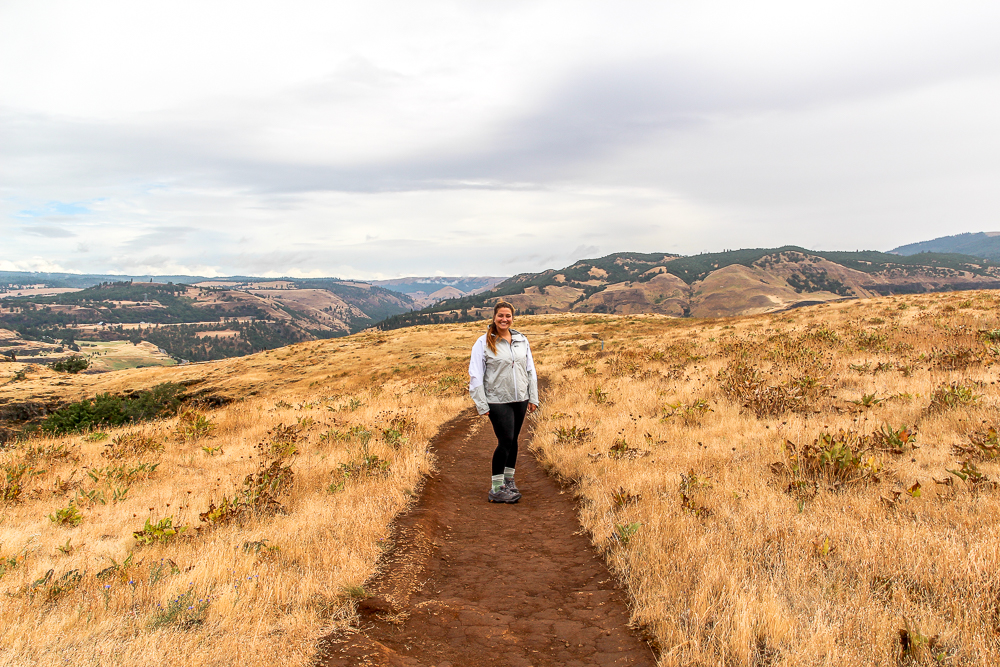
793,269
234,534
810,487
620,267
375,303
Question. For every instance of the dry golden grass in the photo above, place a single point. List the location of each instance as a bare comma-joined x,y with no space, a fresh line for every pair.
733,560
670,436
257,590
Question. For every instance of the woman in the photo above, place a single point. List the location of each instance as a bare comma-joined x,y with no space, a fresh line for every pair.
503,385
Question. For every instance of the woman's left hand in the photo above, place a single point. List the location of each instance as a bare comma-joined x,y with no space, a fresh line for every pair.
532,407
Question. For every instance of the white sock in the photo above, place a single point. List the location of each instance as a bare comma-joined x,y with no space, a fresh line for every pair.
497,482
508,473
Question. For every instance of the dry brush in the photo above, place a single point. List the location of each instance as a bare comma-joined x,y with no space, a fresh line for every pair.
815,487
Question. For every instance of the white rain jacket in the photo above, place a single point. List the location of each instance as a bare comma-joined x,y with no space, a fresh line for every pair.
505,377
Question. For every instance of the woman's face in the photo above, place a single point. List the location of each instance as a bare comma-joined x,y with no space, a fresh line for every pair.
503,319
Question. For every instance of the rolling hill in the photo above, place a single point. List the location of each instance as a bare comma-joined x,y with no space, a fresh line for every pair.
739,282
198,322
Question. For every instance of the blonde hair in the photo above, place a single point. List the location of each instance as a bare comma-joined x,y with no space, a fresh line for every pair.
492,333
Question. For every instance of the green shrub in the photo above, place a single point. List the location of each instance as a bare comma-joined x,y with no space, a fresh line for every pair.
894,440
953,395
599,395
824,334
393,437
624,532
8,563
50,588
690,414
74,364
572,434
259,495
871,340
124,473
161,531
109,410
67,516
973,477
193,425
983,446
834,458
282,442
363,466
15,477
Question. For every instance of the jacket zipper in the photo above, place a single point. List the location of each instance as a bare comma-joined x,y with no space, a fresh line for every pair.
513,370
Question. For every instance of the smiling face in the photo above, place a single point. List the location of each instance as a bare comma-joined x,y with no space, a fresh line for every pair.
503,319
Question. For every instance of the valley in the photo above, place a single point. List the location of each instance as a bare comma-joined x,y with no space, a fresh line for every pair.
769,488
200,322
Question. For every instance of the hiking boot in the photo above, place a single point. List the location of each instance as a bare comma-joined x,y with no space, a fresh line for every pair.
503,495
509,484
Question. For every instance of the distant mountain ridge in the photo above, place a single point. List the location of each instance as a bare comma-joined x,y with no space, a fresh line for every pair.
84,280
461,283
422,290
428,290
736,282
976,244
210,319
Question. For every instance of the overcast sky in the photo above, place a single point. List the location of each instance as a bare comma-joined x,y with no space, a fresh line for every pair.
385,139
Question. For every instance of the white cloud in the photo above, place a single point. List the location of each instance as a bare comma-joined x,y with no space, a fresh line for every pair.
40,264
386,139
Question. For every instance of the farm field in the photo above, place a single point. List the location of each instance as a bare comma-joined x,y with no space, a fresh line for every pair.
103,355
36,291
121,354
811,487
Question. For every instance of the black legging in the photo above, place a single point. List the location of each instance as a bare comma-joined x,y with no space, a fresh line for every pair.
507,419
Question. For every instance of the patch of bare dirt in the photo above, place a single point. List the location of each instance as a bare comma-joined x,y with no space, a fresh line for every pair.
474,583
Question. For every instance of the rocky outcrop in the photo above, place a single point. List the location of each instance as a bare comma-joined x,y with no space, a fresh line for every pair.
664,293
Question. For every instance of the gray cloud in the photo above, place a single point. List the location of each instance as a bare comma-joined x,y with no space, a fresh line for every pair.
584,251
161,236
154,261
48,232
702,136
592,115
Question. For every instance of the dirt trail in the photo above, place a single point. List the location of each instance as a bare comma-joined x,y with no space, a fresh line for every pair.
476,583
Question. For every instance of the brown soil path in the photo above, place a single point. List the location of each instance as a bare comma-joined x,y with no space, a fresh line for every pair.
480,584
